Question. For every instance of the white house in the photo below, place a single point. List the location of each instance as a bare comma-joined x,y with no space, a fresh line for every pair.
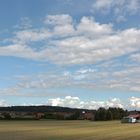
128,120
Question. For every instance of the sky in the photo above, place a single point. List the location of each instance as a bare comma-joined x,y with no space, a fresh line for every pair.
71,53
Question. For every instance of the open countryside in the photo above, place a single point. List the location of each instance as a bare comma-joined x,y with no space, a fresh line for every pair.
68,130
69,69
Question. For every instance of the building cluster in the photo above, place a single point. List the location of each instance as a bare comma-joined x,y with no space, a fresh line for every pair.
133,117
21,115
15,115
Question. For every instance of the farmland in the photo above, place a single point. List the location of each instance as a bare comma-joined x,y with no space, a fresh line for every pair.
68,130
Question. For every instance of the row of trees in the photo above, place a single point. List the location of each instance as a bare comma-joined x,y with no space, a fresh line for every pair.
103,114
74,116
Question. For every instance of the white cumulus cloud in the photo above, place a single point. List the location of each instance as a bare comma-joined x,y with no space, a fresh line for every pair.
135,102
86,42
81,43
75,102
3,103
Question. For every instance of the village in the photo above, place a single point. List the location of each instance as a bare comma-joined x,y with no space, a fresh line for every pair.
45,112
13,115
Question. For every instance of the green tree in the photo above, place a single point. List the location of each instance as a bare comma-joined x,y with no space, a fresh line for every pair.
109,115
100,114
75,116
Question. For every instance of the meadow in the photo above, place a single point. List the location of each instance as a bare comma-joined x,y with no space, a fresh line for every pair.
68,130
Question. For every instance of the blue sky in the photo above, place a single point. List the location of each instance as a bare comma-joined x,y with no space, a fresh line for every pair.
70,53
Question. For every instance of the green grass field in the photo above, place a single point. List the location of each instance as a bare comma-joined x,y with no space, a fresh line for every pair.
68,130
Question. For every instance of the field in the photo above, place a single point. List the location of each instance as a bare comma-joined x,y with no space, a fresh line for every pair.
68,130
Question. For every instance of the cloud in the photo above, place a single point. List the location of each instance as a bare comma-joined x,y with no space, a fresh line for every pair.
135,57
102,4
135,102
75,102
20,51
30,35
25,23
83,50
58,19
120,8
60,25
105,76
86,42
90,27
83,71
3,103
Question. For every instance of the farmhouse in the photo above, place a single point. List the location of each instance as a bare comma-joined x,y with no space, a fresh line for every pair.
87,116
39,115
132,118
136,116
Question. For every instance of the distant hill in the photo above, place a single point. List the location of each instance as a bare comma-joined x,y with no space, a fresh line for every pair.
41,109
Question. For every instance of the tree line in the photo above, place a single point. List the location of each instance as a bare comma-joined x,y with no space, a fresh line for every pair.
103,114
64,113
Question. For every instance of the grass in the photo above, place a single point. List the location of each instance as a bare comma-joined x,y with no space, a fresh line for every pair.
68,130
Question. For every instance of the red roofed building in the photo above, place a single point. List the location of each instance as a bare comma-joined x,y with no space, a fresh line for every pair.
136,116
132,118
